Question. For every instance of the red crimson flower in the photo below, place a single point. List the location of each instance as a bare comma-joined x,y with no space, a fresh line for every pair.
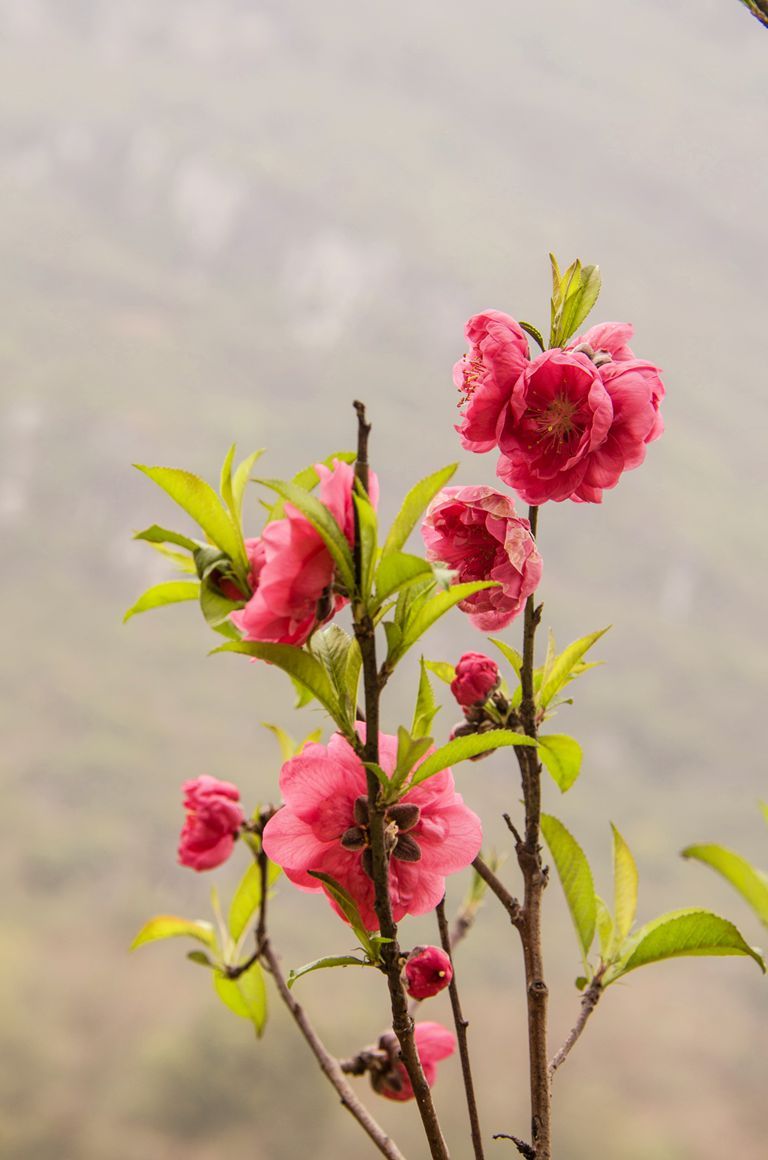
486,375
214,817
293,585
428,970
476,532
324,826
433,1043
477,676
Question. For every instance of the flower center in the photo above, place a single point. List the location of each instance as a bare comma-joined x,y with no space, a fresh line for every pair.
398,820
556,423
472,374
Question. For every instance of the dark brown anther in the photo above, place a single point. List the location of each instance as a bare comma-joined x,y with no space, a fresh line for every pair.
361,810
354,838
407,849
405,815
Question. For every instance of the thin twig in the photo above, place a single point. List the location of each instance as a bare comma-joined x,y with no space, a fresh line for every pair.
328,1063
523,1148
402,1023
589,1001
461,1025
507,900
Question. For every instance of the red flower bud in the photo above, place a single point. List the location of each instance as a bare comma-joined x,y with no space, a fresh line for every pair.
477,676
427,971
214,815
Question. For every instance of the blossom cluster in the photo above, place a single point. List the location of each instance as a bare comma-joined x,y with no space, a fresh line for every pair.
566,423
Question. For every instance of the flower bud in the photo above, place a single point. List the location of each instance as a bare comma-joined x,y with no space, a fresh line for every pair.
477,676
427,971
214,817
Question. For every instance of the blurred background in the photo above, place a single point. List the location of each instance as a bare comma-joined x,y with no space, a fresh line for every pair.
221,220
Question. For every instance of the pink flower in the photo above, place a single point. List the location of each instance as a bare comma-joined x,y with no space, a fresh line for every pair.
486,375
324,826
475,531
428,971
433,1043
559,412
476,678
292,594
579,417
214,816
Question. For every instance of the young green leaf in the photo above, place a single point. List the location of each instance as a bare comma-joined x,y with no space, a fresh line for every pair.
245,901
534,332
350,910
157,535
337,650
604,929
367,523
409,751
246,995
462,748
169,592
414,504
202,959
427,707
442,670
301,666
576,877
321,964
240,482
323,522
764,809
216,608
424,612
200,501
225,483
284,740
580,300
751,883
682,932
511,654
625,881
397,570
561,756
563,666
171,926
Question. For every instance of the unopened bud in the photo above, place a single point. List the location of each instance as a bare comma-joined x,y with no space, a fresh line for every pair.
428,971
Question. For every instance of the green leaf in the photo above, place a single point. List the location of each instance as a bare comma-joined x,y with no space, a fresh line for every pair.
245,901
423,613
200,501
576,879
240,482
157,535
462,748
427,707
284,740
564,665
579,301
625,880
350,910
301,666
170,592
396,571
682,932
561,755
511,654
216,607
246,995
323,522
225,483
534,332
368,526
604,929
380,774
751,883
414,504
321,964
171,926
202,959
442,670
409,751
334,647
764,809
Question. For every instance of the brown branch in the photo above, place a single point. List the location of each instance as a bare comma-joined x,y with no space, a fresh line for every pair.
589,1001
402,1023
328,1063
523,1148
534,877
461,1025
507,900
